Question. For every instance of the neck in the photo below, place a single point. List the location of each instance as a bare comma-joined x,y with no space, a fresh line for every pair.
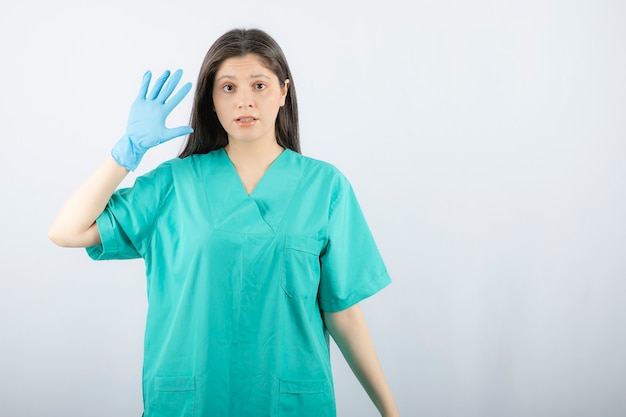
252,154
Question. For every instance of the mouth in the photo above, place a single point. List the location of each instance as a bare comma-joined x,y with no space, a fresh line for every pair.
246,119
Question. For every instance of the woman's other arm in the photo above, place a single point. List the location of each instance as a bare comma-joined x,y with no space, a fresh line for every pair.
349,330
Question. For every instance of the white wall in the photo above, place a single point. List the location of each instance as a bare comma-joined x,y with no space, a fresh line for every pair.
486,142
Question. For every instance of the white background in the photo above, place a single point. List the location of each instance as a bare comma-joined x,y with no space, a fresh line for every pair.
486,143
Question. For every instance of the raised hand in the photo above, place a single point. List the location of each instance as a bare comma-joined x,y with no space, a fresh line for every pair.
146,121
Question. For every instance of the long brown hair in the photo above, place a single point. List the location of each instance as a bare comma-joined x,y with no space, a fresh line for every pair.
208,133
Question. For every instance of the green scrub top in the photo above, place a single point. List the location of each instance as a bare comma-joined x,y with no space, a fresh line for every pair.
236,282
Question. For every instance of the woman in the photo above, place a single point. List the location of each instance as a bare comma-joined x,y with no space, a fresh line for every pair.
254,253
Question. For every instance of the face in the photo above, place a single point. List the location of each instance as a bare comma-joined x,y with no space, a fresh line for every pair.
247,96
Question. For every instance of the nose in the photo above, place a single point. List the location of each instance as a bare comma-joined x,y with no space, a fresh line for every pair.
244,99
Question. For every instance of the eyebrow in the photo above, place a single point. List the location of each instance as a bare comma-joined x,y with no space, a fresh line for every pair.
232,77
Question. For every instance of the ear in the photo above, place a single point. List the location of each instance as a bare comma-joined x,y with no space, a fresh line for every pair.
283,92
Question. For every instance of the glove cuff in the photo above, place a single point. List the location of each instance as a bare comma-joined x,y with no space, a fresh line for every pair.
126,153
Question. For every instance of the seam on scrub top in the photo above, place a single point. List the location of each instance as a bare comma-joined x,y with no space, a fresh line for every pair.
157,215
376,280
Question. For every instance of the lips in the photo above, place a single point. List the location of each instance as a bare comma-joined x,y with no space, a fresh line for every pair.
246,121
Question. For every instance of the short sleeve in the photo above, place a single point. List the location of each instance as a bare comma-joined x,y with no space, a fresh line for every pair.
127,223
352,267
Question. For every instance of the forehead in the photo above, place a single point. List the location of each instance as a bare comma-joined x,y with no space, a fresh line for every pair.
243,66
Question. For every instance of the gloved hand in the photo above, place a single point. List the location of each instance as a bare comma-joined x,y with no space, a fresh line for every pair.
146,121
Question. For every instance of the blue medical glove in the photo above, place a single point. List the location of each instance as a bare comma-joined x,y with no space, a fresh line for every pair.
146,121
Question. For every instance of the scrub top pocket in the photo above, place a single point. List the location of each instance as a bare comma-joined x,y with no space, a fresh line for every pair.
312,398
301,272
174,397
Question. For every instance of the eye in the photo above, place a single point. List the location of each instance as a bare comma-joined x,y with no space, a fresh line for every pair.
260,86
228,88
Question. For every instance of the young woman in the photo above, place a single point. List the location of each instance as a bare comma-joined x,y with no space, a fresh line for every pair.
254,253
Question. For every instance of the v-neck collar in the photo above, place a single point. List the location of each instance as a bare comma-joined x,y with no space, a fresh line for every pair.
234,168
263,209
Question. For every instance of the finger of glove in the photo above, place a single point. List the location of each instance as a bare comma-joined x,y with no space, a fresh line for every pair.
158,85
145,82
169,87
178,97
175,132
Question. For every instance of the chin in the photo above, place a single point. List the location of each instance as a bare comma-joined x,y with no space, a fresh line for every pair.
247,139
